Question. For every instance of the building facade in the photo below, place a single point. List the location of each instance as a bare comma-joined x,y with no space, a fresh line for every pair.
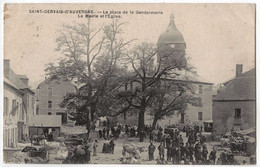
234,107
171,51
13,114
18,106
49,96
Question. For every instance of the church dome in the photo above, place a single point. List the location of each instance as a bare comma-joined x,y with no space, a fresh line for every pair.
171,34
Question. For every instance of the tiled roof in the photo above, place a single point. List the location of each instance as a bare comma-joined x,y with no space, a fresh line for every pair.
240,88
6,80
14,78
246,74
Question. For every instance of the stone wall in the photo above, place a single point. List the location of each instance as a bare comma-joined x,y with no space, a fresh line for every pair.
224,116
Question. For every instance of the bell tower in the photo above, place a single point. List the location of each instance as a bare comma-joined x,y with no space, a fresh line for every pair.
171,46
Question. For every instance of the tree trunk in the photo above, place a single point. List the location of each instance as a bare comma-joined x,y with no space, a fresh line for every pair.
88,124
155,119
141,120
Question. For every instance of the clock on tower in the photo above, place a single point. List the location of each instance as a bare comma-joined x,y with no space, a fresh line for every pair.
171,46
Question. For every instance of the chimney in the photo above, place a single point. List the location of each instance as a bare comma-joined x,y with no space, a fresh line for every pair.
6,68
239,70
6,63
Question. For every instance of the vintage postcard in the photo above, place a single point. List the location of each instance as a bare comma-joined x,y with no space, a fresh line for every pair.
129,84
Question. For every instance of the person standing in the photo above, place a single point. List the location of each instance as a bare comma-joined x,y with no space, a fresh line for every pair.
169,154
95,145
151,136
151,150
107,133
112,145
182,150
161,151
104,133
180,139
212,155
164,140
100,134
159,136
204,153
191,152
87,159
168,141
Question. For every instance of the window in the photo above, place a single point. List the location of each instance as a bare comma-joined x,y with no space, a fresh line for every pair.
6,105
199,115
23,114
5,137
14,107
13,104
237,113
49,113
17,105
12,136
50,91
37,109
21,111
49,104
200,88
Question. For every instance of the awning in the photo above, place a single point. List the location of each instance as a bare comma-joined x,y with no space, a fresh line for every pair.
208,121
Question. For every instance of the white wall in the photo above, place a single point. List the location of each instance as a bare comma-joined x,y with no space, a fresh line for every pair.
10,121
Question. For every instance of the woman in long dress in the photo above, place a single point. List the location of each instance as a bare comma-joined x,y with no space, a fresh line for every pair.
95,145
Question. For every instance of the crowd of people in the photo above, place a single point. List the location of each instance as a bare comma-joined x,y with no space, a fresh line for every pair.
172,148
108,133
192,152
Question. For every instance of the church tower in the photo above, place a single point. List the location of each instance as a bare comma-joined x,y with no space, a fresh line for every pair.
171,47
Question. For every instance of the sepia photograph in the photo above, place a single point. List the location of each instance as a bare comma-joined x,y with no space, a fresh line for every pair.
148,84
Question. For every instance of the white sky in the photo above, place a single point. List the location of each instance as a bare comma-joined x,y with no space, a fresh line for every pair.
218,36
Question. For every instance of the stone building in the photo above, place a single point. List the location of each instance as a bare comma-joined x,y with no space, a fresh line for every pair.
18,106
12,108
171,50
234,107
49,96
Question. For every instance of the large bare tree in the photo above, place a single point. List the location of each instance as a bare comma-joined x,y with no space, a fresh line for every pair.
91,59
147,76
